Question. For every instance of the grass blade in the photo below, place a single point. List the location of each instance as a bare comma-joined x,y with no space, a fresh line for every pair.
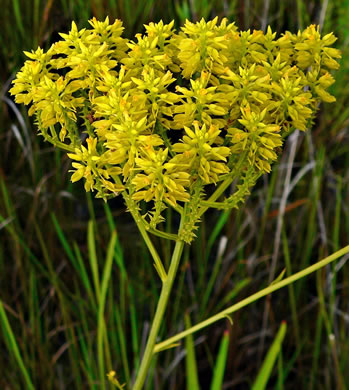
190,361
101,304
268,364
93,258
13,347
219,368
18,16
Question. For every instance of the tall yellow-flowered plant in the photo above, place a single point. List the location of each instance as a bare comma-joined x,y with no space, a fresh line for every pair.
173,118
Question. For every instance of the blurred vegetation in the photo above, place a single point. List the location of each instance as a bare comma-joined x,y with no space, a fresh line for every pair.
59,258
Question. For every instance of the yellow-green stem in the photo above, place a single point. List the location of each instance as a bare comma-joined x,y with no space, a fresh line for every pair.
157,261
141,227
219,191
223,186
266,291
160,309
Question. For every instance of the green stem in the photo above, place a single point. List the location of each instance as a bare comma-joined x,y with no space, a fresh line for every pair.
166,235
157,261
219,191
216,205
165,292
141,226
223,186
56,142
260,294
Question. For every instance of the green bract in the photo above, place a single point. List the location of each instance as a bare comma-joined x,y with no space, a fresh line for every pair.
160,118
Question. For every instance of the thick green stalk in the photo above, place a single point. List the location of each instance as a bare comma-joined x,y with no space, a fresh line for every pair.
165,292
252,298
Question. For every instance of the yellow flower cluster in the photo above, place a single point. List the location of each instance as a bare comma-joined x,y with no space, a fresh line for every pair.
161,117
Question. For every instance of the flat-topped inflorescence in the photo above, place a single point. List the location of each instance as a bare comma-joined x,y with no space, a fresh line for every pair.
160,118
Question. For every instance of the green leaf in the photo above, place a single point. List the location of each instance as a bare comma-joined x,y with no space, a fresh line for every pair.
93,257
219,369
13,347
190,361
101,326
279,278
269,361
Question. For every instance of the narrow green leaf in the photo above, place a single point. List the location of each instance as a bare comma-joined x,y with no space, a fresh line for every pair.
83,274
64,242
93,258
222,220
268,364
279,278
190,361
18,16
101,304
123,344
221,363
13,347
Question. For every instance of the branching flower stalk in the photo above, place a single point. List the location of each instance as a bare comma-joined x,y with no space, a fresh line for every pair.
172,119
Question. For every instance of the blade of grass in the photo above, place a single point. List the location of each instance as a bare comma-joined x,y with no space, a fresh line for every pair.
335,240
311,224
122,340
84,275
280,380
266,206
93,258
268,364
18,16
291,361
134,331
86,364
13,347
222,220
65,307
338,374
221,363
293,303
64,242
316,350
34,260
211,282
101,304
190,360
